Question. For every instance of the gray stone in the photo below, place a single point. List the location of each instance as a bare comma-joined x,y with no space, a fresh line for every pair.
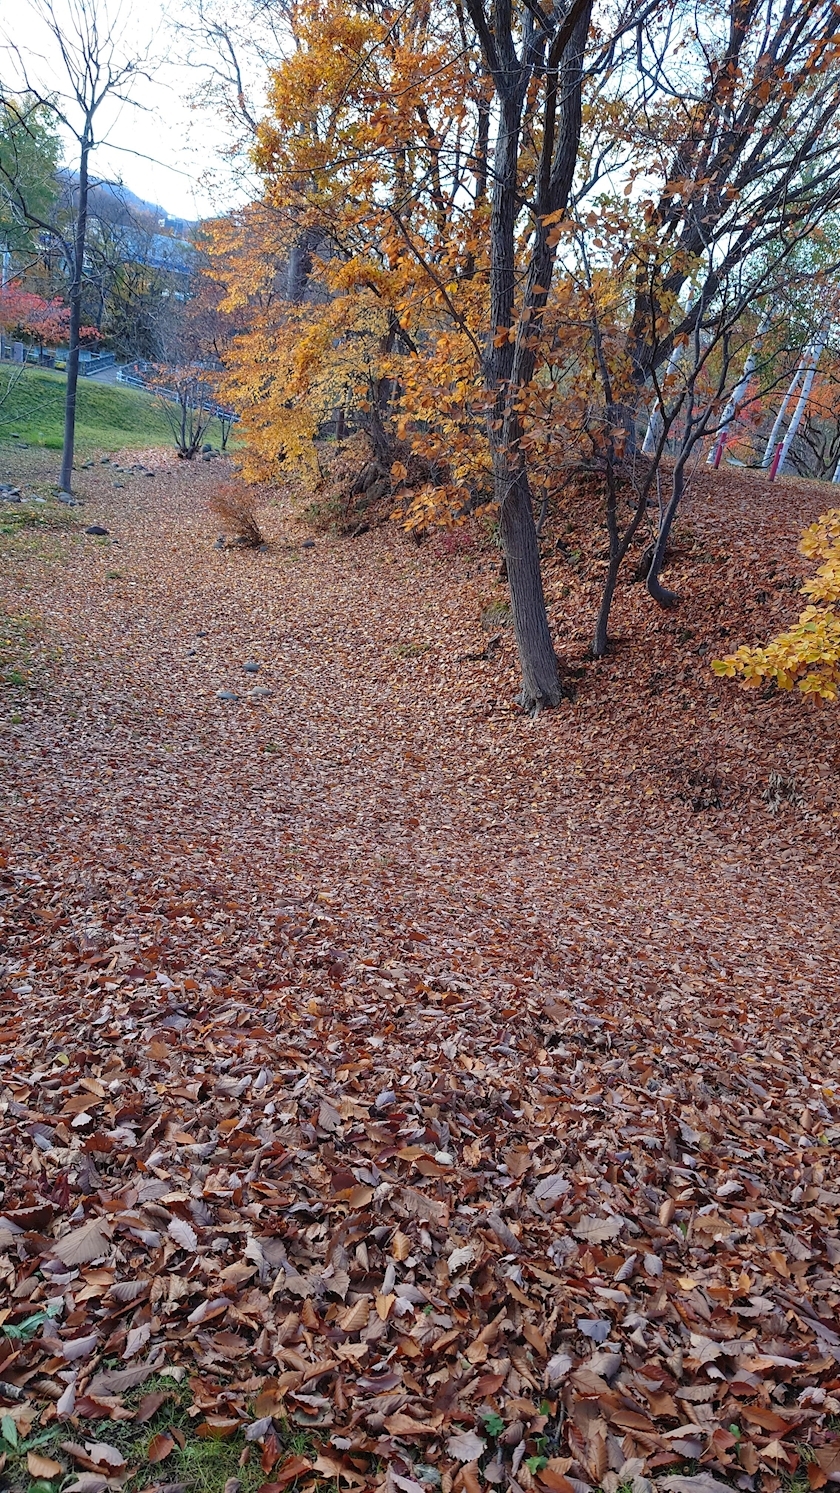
226,694
96,529
207,456
119,484
208,446
260,693
308,544
67,497
251,667
105,461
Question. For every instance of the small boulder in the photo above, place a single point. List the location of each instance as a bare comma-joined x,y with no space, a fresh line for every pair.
251,667
308,544
226,694
96,529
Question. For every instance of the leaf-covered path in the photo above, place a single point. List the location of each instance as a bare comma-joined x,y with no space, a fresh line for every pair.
424,1063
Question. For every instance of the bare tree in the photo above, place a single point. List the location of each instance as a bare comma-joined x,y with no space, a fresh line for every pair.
97,63
185,398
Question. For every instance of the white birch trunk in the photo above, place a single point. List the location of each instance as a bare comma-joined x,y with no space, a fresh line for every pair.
779,421
801,403
738,394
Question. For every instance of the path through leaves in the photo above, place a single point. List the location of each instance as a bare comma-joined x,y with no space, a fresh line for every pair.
448,1088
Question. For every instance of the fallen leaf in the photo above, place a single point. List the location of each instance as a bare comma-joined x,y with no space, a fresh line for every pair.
466,1446
43,1467
86,1243
160,1447
183,1233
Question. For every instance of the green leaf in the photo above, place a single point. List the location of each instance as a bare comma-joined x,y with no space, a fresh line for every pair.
494,1425
536,1464
8,1430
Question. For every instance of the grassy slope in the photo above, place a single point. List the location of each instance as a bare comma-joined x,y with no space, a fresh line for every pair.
108,417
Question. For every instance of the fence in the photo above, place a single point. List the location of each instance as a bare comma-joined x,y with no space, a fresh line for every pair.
42,357
146,376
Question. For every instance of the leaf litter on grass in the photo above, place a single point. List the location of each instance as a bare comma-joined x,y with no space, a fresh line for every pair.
448,1203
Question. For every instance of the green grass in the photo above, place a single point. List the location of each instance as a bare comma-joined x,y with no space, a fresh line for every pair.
108,417
15,659
203,1465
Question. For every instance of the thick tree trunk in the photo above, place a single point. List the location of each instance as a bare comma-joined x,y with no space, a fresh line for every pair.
541,688
66,477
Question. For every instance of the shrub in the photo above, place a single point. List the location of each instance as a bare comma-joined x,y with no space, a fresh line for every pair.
808,654
235,505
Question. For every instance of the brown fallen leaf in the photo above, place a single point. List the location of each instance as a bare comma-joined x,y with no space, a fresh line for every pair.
405,1425
150,1405
117,1381
356,1316
330,1467
218,1427
42,1467
86,1243
293,1467
160,1447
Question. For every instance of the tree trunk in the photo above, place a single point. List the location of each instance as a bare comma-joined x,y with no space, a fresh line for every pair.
660,593
66,478
802,402
541,688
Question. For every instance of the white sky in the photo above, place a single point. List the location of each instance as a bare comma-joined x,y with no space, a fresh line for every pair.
160,147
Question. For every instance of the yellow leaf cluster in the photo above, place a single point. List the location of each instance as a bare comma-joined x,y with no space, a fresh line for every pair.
807,655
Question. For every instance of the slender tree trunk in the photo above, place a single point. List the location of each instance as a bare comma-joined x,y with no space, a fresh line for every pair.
660,593
738,395
66,478
802,402
773,438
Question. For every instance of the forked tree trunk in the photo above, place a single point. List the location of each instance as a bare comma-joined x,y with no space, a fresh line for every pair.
509,365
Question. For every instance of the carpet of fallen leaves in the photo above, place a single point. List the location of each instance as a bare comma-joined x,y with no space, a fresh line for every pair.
458,1089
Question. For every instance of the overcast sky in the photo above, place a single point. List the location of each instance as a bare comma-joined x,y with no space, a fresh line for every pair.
162,149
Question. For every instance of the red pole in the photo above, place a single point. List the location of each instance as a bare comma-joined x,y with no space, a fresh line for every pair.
719,450
775,466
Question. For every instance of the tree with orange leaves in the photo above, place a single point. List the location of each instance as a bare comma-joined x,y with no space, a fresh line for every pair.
497,234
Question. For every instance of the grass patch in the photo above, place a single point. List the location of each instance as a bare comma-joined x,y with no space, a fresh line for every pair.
109,417
15,659
203,1464
35,518
411,650
34,529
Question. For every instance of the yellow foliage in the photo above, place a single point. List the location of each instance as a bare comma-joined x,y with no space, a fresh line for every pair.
808,654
